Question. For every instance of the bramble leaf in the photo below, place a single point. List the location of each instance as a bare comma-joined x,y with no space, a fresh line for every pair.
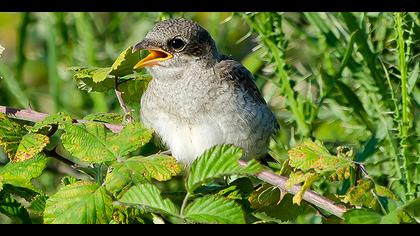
112,118
362,216
20,174
216,162
92,142
149,197
138,169
11,133
30,145
125,62
361,194
55,119
79,203
213,209
13,209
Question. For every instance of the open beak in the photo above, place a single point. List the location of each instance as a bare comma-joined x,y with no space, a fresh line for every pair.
156,54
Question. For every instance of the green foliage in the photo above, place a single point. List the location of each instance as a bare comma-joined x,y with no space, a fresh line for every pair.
219,161
341,79
79,203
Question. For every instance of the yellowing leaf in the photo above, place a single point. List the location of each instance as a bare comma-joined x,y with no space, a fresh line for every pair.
11,132
30,145
55,119
125,62
361,194
314,156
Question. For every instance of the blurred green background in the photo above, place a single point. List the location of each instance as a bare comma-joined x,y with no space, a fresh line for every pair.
358,105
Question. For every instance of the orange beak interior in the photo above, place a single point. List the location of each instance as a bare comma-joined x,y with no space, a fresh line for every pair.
155,56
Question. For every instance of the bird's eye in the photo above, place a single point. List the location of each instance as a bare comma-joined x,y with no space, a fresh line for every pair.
177,43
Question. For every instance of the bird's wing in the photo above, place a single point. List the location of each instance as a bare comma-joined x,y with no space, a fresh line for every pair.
240,77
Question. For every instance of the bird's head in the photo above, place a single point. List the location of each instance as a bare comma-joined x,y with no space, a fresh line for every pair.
174,44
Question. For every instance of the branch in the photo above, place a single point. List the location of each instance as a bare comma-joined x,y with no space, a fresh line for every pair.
125,108
33,116
309,195
266,175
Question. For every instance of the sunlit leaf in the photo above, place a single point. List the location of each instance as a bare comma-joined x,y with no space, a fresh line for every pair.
55,119
30,145
79,203
216,162
361,194
93,143
212,209
20,174
125,62
148,196
112,118
11,133
138,169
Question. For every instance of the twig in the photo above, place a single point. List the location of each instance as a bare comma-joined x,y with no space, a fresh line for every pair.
309,196
125,108
33,116
266,175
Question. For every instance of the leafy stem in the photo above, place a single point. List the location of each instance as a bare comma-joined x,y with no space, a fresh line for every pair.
184,204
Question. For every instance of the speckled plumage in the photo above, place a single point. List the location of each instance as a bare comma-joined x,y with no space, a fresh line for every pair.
200,98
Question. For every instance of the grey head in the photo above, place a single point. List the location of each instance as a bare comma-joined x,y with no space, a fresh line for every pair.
174,44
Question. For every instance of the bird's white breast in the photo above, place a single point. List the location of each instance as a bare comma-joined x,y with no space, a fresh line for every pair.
187,141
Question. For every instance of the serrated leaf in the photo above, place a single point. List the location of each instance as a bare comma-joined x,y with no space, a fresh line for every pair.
362,216
132,90
361,195
20,174
84,78
125,62
384,192
101,74
137,169
216,162
79,203
149,197
309,179
11,132
314,156
92,142
13,209
55,119
30,145
212,209
112,118
38,204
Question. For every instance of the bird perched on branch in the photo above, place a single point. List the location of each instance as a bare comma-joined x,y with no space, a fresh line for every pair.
198,97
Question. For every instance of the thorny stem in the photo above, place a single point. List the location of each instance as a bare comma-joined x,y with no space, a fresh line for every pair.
266,175
125,108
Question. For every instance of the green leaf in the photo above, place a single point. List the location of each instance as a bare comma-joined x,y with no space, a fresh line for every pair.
84,79
38,204
20,174
30,145
125,62
149,197
384,192
361,195
79,203
101,74
212,209
11,132
13,209
362,216
112,118
133,89
216,162
92,142
314,156
55,119
266,195
137,169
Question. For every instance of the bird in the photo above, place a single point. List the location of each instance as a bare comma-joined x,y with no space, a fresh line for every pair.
199,97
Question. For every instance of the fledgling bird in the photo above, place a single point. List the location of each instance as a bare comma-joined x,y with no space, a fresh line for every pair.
198,97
